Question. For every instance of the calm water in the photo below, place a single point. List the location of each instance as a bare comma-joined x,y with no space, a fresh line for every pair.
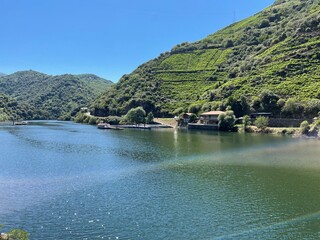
67,181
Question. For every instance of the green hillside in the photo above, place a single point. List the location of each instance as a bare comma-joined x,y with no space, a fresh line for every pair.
52,97
275,51
11,109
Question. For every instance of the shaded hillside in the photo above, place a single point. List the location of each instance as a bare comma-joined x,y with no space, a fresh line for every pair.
276,49
52,97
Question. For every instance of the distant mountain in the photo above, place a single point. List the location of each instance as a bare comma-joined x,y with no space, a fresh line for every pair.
52,97
276,50
2,74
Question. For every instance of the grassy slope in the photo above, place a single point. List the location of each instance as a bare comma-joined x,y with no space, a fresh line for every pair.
276,49
52,96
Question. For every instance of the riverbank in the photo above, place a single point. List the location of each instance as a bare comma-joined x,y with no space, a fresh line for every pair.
171,122
272,130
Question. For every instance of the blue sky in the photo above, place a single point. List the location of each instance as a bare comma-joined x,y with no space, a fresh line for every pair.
104,37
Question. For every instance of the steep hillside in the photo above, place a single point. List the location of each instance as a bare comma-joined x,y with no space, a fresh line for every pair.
52,97
276,50
10,109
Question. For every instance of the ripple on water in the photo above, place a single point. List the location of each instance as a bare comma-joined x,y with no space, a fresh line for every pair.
74,182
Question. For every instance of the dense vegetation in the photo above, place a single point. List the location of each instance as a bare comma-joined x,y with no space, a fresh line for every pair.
11,109
268,62
34,95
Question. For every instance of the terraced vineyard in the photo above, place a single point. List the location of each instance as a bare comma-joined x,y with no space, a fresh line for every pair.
275,50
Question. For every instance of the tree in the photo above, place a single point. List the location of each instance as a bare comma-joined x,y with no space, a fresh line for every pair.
178,111
246,121
194,108
226,121
264,23
293,108
240,107
269,101
193,118
312,108
136,115
261,122
228,43
149,118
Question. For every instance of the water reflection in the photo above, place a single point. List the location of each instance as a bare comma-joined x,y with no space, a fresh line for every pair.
69,181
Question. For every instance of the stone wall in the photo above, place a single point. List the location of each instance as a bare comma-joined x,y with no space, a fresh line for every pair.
286,122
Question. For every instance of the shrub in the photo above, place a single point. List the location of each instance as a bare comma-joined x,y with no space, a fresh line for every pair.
136,115
228,43
194,108
149,118
113,120
226,121
193,118
261,122
246,121
92,120
314,128
304,127
178,111
293,108
264,23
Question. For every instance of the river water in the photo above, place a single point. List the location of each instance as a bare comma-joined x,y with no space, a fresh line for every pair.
61,180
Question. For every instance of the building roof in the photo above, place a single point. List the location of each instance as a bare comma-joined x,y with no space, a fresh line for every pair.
212,113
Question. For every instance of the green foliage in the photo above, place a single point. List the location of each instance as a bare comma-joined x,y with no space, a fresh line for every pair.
226,121
269,102
315,128
11,109
136,115
193,118
40,96
194,108
264,23
246,121
93,121
261,122
18,234
312,108
149,118
178,111
228,43
293,108
115,120
304,127
239,106
276,49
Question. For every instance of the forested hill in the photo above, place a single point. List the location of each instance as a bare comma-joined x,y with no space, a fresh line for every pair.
275,51
50,97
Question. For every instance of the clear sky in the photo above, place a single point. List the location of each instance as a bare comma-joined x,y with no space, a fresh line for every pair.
106,37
